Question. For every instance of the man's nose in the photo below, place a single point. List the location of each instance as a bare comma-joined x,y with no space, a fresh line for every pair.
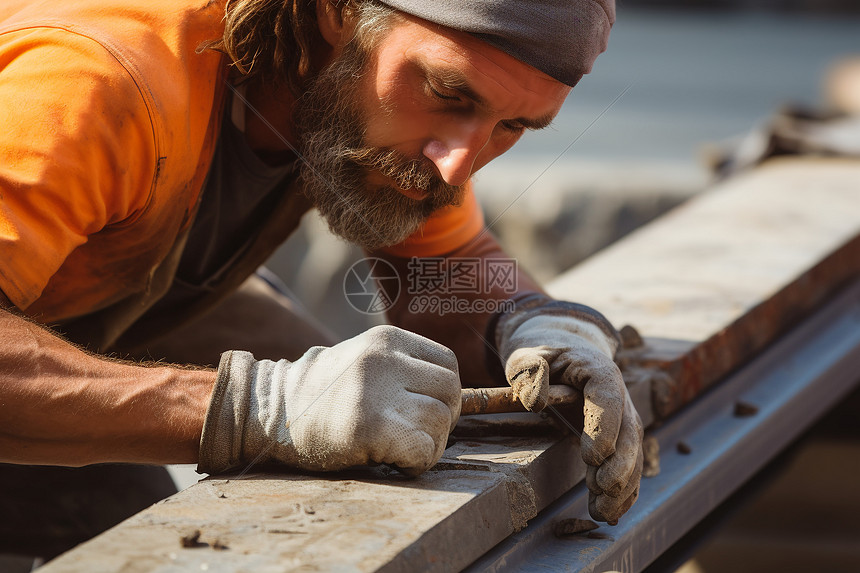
454,154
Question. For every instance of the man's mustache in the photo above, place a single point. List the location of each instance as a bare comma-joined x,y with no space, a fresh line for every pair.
405,172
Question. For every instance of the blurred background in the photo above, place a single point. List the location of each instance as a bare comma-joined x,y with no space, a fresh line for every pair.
635,138
681,83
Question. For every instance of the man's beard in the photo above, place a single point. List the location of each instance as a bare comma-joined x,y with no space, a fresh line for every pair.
337,162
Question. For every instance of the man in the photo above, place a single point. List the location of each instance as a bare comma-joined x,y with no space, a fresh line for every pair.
146,175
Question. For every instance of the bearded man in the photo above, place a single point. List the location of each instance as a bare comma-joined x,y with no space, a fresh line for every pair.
154,156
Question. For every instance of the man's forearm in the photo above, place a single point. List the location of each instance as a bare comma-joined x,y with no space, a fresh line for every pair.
60,405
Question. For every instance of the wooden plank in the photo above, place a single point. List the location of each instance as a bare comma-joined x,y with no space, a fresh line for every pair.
700,280
363,520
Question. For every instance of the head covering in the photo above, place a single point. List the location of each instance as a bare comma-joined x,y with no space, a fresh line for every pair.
561,38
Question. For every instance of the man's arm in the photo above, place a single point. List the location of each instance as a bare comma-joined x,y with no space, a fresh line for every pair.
60,405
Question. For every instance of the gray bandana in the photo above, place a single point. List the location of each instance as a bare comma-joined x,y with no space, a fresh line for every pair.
562,38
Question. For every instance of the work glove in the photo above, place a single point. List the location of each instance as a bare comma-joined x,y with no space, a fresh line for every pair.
386,396
547,341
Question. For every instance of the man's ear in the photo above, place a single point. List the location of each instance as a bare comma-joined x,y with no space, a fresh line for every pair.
330,21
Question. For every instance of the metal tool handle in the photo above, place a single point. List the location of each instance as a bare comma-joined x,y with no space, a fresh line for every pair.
501,400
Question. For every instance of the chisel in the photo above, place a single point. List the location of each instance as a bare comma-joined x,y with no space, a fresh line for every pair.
501,400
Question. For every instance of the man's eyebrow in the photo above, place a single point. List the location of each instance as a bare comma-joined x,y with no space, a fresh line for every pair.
455,80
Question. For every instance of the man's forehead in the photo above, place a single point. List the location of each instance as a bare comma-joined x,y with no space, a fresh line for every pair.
495,82
457,55
561,38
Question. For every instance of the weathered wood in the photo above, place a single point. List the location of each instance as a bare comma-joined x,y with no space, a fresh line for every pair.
707,285
363,520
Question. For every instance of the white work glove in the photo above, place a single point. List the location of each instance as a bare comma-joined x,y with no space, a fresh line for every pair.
385,396
546,340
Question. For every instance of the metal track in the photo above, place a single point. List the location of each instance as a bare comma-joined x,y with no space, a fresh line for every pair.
793,384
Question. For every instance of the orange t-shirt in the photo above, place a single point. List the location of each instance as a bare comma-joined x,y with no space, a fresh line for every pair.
109,118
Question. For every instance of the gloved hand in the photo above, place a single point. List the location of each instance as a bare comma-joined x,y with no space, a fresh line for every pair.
546,340
385,396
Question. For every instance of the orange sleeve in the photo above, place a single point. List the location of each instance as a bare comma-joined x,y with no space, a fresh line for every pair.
77,152
446,230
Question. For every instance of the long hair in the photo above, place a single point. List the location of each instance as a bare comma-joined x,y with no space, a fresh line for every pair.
276,40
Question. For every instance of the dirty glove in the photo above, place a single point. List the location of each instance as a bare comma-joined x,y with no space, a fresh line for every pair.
546,340
385,396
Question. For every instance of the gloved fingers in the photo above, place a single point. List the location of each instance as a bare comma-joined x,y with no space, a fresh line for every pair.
420,457
599,512
417,435
603,507
616,472
399,340
603,396
435,382
528,374
591,480
443,386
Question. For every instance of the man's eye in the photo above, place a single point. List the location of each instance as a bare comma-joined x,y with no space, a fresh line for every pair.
443,96
513,127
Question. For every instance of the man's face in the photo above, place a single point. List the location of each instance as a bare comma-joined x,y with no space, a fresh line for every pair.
392,135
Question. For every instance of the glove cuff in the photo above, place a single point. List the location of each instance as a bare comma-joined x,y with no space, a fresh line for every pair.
534,304
221,442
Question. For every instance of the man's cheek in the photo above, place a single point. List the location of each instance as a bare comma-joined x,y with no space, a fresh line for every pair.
498,146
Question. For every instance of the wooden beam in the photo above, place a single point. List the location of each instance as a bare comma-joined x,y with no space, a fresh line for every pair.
363,520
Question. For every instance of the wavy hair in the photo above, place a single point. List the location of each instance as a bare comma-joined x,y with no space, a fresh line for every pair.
276,40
